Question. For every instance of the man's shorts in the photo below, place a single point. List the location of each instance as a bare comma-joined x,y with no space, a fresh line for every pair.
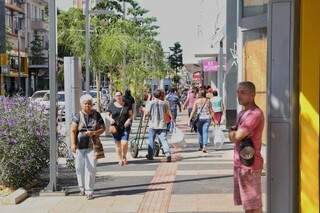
247,188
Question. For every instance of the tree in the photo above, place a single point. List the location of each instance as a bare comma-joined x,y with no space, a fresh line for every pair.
37,54
175,58
123,49
71,34
36,49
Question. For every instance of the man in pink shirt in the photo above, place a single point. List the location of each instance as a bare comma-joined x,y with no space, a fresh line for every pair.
247,173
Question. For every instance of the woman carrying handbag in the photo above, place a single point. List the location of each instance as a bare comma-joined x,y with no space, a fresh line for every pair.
86,127
203,108
120,117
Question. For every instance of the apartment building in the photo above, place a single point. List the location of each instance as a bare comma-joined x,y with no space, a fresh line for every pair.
24,21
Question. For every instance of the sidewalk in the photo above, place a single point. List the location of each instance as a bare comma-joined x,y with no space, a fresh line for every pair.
193,182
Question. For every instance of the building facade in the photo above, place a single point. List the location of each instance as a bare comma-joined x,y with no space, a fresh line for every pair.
14,55
38,44
278,50
21,58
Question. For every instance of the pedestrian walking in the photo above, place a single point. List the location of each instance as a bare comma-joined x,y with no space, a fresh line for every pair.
202,108
128,98
188,104
120,118
191,99
86,127
248,162
217,108
174,103
156,110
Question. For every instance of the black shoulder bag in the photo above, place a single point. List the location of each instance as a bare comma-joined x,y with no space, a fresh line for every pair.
246,151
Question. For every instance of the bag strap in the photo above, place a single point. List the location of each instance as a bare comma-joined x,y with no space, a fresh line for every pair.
82,121
203,106
117,121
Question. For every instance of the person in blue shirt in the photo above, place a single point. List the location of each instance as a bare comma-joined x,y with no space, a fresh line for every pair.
174,102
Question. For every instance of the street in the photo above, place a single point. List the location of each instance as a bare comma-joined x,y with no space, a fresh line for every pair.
193,182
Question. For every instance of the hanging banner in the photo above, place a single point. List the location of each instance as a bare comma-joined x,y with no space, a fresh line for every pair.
210,65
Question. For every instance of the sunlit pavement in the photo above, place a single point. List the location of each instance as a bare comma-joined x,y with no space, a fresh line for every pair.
193,182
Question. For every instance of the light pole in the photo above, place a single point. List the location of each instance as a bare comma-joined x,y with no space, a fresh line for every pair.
87,7
52,186
221,69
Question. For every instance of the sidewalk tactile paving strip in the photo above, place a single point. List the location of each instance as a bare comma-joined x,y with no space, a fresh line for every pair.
158,196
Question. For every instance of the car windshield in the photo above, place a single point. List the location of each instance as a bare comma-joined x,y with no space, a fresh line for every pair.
38,95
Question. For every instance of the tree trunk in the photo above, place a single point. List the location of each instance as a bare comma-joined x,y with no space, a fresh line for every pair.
98,81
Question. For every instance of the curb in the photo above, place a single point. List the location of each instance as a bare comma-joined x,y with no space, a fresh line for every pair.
15,197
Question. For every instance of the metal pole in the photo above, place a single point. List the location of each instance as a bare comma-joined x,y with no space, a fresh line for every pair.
221,70
87,45
52,186
19,62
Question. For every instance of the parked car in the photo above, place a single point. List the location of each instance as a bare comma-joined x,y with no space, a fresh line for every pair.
43,98
39,95
103,99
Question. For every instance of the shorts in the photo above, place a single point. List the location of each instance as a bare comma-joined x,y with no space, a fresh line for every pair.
247,188
121,136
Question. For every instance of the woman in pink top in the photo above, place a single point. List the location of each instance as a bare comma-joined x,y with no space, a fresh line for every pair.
191,99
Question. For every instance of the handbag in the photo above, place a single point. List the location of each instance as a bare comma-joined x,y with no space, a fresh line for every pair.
167,118
114,129
83,141
246,152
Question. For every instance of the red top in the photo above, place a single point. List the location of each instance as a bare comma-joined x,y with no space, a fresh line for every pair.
252,122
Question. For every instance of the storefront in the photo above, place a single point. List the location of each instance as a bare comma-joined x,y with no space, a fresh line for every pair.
278,49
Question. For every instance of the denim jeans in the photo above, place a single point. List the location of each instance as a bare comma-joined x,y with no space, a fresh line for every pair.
85,164
162,135
203,129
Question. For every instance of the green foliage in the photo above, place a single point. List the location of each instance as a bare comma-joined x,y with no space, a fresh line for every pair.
126,50
36,49
71,34
175,58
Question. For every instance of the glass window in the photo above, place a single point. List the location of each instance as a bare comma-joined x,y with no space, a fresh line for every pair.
254,7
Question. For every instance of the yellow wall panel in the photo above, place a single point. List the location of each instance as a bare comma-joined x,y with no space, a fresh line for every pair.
309,106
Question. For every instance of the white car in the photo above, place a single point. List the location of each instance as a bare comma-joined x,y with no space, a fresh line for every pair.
103,99
43,98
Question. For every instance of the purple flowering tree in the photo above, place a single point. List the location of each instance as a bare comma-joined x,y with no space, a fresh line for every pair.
24,141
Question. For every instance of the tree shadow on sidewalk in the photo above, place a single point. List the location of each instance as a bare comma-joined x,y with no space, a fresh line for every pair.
134,162
100,194
163,182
